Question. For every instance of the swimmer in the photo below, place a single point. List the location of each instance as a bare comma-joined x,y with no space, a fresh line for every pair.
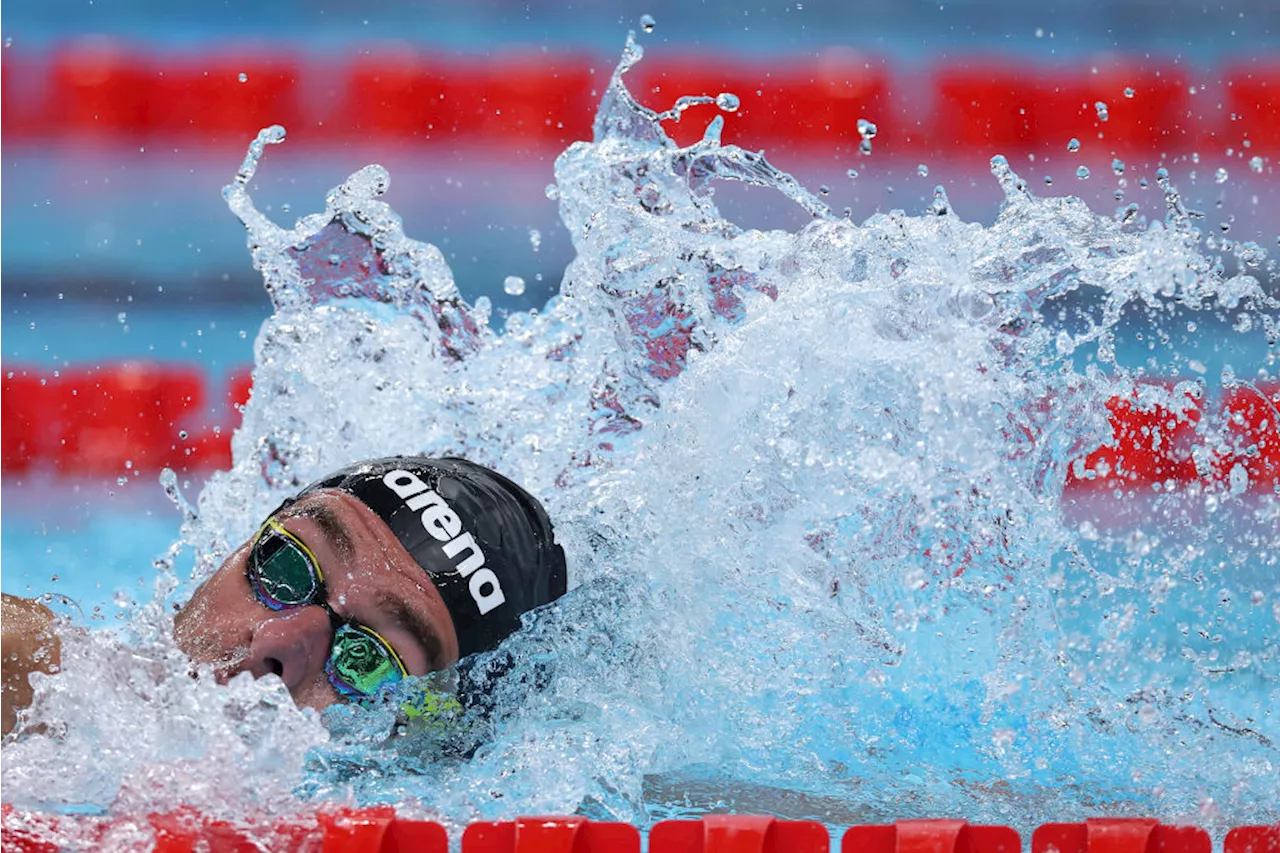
386,569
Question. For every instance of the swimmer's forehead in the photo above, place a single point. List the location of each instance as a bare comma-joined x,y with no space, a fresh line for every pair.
327,507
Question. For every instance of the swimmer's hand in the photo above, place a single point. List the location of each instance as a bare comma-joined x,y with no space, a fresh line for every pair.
29,644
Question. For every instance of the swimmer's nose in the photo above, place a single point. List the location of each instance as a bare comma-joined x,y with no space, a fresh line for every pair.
294,645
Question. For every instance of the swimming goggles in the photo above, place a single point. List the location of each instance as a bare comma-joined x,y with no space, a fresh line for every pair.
284,573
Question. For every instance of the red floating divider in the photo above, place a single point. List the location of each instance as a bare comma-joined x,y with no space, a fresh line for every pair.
990,107
23,832
1119,835
106,420
1252,416
124,417
228,96
1152,444
93,87
550,835
103,421
738,834
1253,839
516,98
99,86
931,836
1253,101
783,106
368,830
23,437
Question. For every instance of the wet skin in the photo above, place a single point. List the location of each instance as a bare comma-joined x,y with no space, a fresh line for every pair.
369,577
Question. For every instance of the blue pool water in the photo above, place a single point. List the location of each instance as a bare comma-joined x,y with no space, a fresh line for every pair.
810,485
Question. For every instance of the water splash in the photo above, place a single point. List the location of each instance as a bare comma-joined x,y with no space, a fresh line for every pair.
811,488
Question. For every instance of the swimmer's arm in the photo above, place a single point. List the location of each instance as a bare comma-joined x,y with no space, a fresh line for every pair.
29,644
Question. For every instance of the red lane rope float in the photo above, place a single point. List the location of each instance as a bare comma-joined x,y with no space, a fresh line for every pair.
343,830
514,99
985,106
551,835
101,421
931,836
1253,839
100,87
104,420
380,830
1119,835
97,88
1151,444
783,105
739,834
1253,101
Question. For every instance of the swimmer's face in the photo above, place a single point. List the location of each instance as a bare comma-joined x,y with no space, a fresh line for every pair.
369,577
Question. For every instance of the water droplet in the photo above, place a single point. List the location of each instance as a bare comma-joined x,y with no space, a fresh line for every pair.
243,334
1074,145
824,189
1142,182
128,463
941,204
122,480
553,192
1048,180
285,208
513,285
1119,195
647,23
243,78
1220,176
1225,226
866,129
1082,172
865,146
728,102
922,170
1117,166
852,173
535,239
1255,163
120,318
1128,91
1101,108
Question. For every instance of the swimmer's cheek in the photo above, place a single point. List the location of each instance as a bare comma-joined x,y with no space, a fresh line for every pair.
28,643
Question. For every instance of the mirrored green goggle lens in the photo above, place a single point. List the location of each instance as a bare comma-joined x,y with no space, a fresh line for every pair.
361,663
283,574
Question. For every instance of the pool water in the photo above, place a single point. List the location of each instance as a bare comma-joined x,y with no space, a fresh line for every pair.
811,485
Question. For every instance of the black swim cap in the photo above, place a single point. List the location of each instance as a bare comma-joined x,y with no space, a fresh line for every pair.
486,543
